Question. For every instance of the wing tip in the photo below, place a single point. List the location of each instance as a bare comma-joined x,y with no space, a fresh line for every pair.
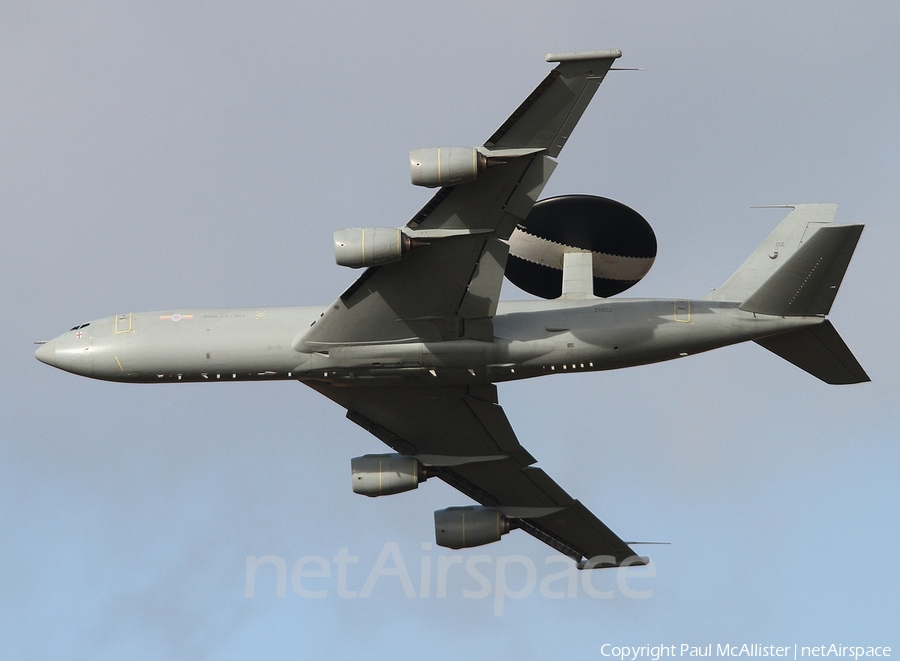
574,56
608,562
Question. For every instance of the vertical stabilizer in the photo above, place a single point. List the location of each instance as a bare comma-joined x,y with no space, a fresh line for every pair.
808,281
798,227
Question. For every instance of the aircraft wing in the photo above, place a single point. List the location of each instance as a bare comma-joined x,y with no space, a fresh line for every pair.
449,288
464,437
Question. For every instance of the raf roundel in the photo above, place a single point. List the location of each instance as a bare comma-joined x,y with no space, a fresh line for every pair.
622,244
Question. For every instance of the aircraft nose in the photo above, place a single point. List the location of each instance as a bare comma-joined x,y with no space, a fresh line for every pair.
46,353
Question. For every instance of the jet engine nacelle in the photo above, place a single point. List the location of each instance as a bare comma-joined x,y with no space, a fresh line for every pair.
465,527
385,474
445,166
622,244
371,246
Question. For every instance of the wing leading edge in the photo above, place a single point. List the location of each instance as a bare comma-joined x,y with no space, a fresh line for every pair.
462,435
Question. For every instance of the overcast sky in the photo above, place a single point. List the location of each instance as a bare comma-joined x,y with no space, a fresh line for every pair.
169,155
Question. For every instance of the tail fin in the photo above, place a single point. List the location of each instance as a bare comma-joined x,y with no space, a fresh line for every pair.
807,282
781,244
818,350
796,272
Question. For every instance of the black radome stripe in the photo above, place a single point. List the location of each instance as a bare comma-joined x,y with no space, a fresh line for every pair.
592,223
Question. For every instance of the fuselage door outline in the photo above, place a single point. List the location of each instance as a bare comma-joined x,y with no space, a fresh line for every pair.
682,311
123,323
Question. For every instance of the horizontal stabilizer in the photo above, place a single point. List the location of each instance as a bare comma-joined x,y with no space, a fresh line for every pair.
818,350
807,282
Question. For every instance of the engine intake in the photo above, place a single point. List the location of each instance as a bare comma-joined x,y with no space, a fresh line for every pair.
385,474
465,527
445,166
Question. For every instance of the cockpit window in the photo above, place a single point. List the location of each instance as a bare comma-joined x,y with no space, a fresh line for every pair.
80,327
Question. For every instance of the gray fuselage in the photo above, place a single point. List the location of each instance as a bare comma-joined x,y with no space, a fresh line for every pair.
531,338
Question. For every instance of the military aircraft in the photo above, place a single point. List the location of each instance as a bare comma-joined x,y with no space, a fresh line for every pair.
413,349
